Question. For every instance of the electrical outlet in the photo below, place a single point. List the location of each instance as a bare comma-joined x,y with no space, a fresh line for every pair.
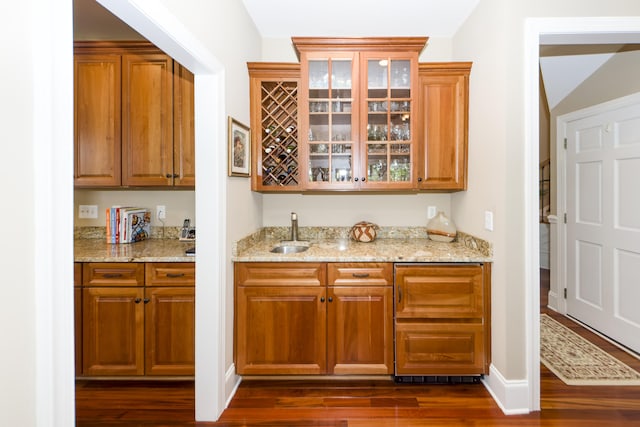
88,211
161,211
488,220
431,212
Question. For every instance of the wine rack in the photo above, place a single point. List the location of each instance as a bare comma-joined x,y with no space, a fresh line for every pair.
274,119
280,164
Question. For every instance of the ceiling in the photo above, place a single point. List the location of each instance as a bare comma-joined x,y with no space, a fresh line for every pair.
566,60
335,18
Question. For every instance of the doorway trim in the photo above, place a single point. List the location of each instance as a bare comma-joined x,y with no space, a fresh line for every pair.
159,26
536,30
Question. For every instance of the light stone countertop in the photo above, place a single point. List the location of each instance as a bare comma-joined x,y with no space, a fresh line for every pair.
152,250
401,248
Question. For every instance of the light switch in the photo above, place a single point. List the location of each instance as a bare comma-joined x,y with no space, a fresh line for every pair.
488,220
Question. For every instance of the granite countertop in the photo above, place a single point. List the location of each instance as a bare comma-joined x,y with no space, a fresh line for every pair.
394,245
152,250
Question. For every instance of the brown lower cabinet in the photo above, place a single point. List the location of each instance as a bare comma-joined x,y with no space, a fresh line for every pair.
442,319
338,319
313,318
138,319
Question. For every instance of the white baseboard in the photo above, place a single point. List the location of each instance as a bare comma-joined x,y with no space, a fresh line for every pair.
512,396
231,383
552,301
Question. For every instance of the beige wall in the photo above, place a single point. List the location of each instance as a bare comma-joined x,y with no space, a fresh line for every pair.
180,204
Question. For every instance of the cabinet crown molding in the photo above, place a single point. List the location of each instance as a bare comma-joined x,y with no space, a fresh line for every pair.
369,44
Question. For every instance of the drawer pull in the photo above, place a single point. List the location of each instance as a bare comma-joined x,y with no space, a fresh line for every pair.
146,300
360,275
137,300
175,275
112,275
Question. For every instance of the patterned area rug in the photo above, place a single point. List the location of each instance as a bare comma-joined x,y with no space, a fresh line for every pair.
578,362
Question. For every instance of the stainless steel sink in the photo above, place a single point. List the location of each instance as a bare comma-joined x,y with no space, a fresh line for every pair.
289,249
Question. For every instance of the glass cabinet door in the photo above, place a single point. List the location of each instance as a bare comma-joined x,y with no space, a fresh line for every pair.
389,141
330,113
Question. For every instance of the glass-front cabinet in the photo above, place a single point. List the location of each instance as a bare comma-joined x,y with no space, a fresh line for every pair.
329,116
356,104
388,132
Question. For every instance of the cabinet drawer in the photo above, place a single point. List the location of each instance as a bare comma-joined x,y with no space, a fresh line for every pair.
440,349
439,291
113,274
360,274
280,274
170,274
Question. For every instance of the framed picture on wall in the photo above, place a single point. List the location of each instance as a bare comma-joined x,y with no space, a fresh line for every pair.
239,149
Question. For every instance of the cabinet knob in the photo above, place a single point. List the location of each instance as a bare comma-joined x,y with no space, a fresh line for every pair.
137,300
146,300
330,299
321,299
169,175
364,179
355,179
419,179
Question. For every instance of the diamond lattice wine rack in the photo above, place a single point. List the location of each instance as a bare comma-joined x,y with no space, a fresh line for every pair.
280,165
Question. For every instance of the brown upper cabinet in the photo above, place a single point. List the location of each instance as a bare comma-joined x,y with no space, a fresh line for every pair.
444,115
359,114
133,117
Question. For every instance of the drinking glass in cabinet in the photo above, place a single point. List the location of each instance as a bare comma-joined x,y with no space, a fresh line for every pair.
377,132
399,170
377,170
377,73
319,148
341,73
341,149
318,74
400,132
318,107
400,148
377,149
400,73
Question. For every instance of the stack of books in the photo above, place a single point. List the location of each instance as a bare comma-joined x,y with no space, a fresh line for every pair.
128,224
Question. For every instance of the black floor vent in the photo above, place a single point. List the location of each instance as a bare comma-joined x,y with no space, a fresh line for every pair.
431,379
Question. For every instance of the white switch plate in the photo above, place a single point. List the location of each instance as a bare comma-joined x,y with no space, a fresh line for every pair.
488,220
431,212
88,211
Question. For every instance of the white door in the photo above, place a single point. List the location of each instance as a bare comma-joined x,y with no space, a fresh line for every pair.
603,221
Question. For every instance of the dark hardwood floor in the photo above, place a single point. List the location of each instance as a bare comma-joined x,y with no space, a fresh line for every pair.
363,403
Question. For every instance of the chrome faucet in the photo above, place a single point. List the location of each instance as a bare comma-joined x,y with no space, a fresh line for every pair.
294,227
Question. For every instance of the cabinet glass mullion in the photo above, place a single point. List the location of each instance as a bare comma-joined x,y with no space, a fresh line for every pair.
388,104
330,121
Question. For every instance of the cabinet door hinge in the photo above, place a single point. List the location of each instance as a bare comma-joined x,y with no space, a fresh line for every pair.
565,293
565,143
565,217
